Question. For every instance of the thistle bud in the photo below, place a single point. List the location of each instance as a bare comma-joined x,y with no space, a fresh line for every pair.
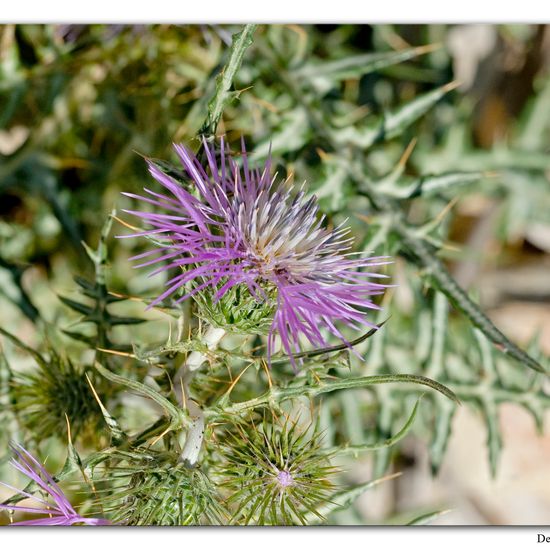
276,474
237,310
157,489
44,398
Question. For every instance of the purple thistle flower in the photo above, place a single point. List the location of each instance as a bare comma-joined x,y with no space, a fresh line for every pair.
60,511
240,227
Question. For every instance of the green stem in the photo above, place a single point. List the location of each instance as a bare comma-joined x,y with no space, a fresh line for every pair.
182,380
276,395
224,80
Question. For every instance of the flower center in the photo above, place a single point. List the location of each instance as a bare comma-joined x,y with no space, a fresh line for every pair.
285,478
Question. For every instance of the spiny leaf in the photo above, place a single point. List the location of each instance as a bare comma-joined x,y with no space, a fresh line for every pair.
458,297
430,184
332,349
170,170
291,134
73,461
277,395
356,449
118,435
343,499
118,320
494,441
84,283
357,65
424,519
532,133
442,433
23,300
177,415
36,356
76,306
380,379
80,337
392,123
92,291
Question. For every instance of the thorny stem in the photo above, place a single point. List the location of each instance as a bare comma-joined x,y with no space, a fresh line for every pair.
277,395
224,80
182,380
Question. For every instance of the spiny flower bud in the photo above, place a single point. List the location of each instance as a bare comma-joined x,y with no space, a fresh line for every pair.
158,490
277,475
237,310
58,389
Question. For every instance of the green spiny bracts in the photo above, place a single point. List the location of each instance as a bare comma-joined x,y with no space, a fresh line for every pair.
159,490
277,474
237,310
43,399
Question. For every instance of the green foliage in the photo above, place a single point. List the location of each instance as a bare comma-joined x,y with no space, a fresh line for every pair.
98,314
462,360
344,499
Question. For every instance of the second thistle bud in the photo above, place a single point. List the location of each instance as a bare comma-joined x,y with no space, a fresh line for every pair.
276,474
157,490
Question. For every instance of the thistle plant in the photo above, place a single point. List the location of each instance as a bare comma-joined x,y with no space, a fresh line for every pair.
242,230
243,339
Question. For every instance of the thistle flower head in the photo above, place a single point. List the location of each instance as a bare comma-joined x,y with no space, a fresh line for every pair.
57,509
157,489
238,228
57,388
277,475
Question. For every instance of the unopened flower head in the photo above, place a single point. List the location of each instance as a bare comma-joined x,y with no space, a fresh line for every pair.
276,472
157,489
58,510
239,226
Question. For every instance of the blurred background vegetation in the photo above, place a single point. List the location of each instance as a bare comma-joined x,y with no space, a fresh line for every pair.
79,107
